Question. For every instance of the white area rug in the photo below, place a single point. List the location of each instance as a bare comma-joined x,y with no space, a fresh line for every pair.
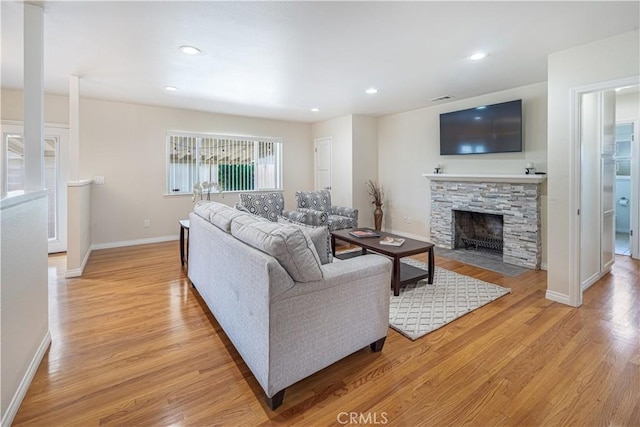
422,308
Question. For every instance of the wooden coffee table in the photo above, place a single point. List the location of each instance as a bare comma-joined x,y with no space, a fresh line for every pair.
402,273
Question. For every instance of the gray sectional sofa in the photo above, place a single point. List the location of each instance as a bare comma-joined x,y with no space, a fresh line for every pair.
288,314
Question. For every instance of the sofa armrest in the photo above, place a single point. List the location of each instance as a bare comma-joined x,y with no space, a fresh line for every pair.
370,265
307,216
375,269
344,211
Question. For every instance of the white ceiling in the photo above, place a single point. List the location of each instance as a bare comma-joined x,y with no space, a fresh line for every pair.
279,59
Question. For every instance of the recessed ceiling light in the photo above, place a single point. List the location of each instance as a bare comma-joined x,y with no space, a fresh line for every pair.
371,91
171,88
190,50
477,56
315,110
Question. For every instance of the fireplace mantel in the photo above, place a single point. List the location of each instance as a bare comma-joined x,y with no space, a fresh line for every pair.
510,178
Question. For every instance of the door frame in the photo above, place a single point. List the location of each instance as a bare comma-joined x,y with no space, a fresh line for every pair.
634,179
575,175
634,218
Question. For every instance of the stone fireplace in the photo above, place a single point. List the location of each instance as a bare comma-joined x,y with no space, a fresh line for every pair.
512,205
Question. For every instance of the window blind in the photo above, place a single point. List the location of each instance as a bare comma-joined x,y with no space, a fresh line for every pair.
234,163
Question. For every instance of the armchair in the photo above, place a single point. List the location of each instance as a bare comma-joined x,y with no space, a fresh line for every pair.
265,205
271,205
338,217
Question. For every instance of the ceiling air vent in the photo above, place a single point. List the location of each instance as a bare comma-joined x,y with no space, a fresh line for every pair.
441,98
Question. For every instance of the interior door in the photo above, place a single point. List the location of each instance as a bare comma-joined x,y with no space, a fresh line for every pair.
590,235
635,188
322,162
597,196
608,180
608,213
55,173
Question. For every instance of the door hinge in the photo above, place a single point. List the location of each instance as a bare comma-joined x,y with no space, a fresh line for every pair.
631,233
578,212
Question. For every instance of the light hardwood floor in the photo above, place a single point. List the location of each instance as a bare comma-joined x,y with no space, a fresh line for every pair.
133,344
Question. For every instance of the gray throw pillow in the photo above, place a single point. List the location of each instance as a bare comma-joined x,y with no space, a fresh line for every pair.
319,236
288,244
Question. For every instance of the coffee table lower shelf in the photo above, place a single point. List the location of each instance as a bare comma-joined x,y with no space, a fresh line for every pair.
408,273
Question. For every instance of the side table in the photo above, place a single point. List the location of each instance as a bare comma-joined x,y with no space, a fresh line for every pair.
184,225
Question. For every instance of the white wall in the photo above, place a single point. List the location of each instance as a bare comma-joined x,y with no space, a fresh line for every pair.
409,145
354,159
341,132
609,59
56,108
628,107
79,233
125,143
365,166
24,311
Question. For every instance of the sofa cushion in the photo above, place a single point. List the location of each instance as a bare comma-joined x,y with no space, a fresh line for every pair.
218,214
288,244
319,236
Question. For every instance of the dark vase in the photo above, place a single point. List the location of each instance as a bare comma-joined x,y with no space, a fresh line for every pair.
377,217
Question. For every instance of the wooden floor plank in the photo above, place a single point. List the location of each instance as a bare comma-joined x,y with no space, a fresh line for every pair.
134,344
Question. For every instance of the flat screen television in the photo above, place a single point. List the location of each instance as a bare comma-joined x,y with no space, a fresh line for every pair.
485,129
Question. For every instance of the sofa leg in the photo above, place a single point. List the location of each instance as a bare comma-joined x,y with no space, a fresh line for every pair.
276,400
377,346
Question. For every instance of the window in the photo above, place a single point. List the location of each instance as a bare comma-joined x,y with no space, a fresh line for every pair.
624,137
235,163
14,171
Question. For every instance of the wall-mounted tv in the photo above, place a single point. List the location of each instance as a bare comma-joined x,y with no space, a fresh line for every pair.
495,128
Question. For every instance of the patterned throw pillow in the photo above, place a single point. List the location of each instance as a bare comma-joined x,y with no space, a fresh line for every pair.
268,205
319,236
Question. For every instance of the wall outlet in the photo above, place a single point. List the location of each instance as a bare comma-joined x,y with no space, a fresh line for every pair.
147,223
98,180
407,220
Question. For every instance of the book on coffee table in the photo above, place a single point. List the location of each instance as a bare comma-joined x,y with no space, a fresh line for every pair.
364,232
392,241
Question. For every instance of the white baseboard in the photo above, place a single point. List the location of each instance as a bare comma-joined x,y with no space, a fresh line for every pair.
77,272
557,297
109,245
543,266
18,397
409,235
591,280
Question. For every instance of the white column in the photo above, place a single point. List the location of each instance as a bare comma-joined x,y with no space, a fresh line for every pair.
33,97
74,128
